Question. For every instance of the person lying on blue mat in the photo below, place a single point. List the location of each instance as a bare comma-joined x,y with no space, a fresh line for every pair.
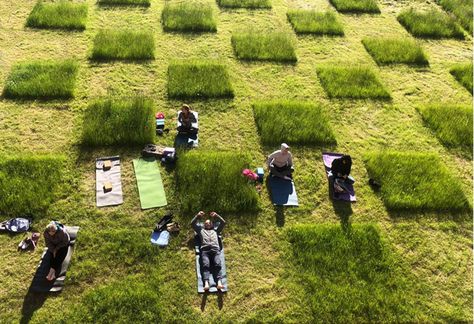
210,250
280,162
57,242
187,118
341,169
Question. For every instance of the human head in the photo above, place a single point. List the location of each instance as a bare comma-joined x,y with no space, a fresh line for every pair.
208,224
52,228
185,108
284,148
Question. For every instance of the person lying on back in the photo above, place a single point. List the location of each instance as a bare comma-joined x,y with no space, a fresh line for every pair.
210,249
187,118
280,162
341,169
57,242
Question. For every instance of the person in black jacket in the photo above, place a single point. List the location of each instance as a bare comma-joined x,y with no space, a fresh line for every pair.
341,169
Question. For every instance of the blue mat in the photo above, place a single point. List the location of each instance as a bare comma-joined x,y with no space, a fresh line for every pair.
282,191
160,238
212,281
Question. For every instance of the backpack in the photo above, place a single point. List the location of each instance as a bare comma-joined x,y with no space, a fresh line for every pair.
15,225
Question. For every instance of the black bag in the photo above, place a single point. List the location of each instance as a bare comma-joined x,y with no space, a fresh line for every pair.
161,225
152,150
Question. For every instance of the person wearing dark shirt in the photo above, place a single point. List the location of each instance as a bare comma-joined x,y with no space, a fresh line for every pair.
57,242
186,119
341,169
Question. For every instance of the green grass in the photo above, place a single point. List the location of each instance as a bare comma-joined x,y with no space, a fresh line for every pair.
188,17
119,122
123,45
30,183
356,6
463,73
357,82
42,80
145,3
313,22
272,46
198,79
462,9
213,181
348,276
61,15
415,181
395,50
293,122
452,124
249,4
430,24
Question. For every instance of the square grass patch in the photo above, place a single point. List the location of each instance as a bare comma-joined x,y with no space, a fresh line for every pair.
415,182
463,73
430,24
394,51
462,9
198,79
357,82
248,4
348,275
214,181
29,184
42,80
293,122
144,3
119,122
124,45
188,17
356,6
313,22
61,15
452,124
273,46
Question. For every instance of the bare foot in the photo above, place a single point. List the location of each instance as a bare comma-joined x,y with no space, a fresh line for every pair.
220,286
206,285
51,274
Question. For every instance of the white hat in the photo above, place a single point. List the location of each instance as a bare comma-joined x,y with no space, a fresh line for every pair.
284,146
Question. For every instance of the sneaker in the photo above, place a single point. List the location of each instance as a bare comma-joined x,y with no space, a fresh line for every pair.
206,285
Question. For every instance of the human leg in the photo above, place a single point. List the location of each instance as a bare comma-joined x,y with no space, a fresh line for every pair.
57,261
205,268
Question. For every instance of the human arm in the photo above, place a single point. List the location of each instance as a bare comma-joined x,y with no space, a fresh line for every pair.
290,160
270,158
194,221
221,222
49,244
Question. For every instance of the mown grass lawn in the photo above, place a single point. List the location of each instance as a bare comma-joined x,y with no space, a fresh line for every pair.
188,17
61,15
273,46
123,45
395,50
313,22
463,73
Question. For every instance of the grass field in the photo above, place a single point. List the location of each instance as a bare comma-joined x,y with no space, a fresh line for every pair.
249,4
356,6
145,3
395,50
116,276
277,46
452,124
293,122
431,24
313,22
42,80
461,9
119,122
463,73
188,17
61,15
123,45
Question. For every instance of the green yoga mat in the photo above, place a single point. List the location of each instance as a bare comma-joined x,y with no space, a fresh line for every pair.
150,187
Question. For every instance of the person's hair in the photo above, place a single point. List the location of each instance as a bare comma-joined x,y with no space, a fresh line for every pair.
52,225
185,106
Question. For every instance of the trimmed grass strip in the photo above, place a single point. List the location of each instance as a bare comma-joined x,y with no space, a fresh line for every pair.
62,15
213,181
123,45
293,122
198,79
351,82
452,124
462,9
248,4
313,22
188,17
356,6
430,24
144,3
395,50
42,80
277,46
119,122
415,182
463,73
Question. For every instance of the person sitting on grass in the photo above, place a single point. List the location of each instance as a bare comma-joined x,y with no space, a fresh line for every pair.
280,163
341,169
57,242
210,249
187,118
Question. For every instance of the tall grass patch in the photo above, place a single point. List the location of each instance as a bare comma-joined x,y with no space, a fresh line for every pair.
61,15
452,124
144,3
273,46
463,73
415,181
188,17
199,79
118,122
248,4
430,24
395,50
313,22
356,6
462,9
214,181
293,122
357,82
348,276
123,45
42,80
29,183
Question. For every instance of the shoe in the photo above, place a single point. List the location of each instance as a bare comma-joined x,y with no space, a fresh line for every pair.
173,227
206,285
